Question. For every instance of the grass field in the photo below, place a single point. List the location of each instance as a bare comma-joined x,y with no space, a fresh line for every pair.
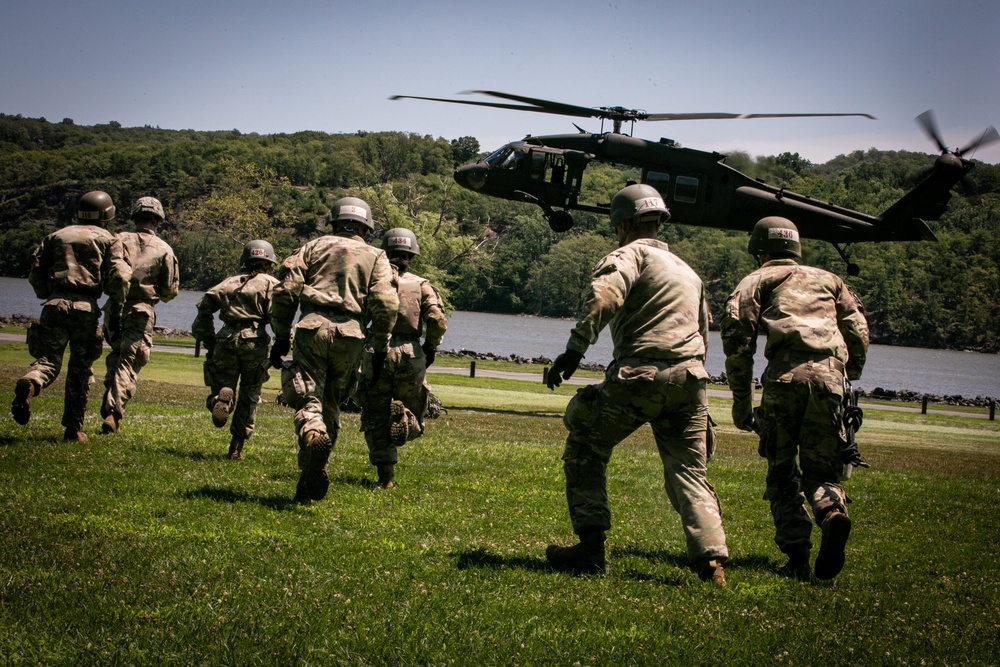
149,547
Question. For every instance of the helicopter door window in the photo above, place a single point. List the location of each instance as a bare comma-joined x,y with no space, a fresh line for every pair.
537,170
558,169
686,189
660,181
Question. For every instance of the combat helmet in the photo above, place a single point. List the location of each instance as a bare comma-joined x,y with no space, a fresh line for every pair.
95,207
635,200
148,206
258,250
399,240
352,208
774,235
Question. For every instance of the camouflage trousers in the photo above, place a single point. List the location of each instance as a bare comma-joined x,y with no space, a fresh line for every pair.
673,400
64,322
129,353
323,374
800,427
238,363
402,379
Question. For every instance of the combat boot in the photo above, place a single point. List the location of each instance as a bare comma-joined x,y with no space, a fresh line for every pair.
387,475
220,410
72,435
798,564
586,557
710,569
236,448
110,423
830,560
20,408
301,494
317,447
399,430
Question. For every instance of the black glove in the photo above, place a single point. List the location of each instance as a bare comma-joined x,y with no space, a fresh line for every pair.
566,364
209,344
113,321
743,414
278,350
853,417
429,351
378,363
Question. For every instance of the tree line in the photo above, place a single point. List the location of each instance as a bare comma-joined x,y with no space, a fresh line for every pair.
223,188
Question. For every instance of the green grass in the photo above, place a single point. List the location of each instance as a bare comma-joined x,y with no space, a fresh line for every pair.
149,547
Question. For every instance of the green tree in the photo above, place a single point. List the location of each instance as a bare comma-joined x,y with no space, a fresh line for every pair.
558,282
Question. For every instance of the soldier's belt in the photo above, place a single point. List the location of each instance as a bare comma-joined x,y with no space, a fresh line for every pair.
798,358
75,296
643,361
405,338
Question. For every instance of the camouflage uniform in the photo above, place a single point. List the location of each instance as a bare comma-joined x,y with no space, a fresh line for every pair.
238,352
402,379
656,308
154,278
816,332
71,268
340,283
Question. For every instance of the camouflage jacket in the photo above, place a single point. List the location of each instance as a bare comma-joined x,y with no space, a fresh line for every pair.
807,313
342,279
80,261
419,307
155,275
242,301
654,302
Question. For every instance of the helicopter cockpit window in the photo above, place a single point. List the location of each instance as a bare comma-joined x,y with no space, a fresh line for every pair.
686,189
498,156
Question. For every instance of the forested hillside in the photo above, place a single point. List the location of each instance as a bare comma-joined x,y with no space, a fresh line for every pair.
221,189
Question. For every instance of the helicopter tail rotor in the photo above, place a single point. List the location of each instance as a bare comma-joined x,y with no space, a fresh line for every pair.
929,125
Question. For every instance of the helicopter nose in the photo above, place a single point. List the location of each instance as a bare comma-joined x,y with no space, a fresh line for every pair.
472,176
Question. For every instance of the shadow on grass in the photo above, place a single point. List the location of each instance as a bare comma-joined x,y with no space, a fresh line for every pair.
519,413
355,480
481,558
680,559
192,455
223,495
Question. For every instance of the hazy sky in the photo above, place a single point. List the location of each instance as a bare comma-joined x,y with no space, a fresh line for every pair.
272,67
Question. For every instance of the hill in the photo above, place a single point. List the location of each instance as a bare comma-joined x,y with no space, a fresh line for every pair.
221,189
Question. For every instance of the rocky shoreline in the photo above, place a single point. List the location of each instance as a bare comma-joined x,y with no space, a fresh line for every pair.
878,393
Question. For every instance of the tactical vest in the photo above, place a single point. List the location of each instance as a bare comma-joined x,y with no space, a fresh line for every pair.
408,319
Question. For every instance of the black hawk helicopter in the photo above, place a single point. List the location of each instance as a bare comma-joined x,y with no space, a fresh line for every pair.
699,188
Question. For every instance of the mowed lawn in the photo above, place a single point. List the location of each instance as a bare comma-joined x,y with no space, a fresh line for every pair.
149,547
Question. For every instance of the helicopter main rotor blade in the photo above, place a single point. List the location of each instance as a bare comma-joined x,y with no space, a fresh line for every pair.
495,105
988,136
545,106
617,114
727,116
926,121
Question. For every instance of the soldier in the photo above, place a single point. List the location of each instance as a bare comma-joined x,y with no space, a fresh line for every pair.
154,278
393,409
655,305
238,354
71,267
340,282
816,332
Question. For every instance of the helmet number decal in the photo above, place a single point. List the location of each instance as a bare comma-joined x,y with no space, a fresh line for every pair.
777,233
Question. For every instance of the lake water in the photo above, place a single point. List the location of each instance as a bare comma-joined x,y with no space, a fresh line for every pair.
944,372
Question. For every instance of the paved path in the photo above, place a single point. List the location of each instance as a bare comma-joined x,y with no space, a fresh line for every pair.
536,377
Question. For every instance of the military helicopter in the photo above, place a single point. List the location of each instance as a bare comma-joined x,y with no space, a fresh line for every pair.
699,187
